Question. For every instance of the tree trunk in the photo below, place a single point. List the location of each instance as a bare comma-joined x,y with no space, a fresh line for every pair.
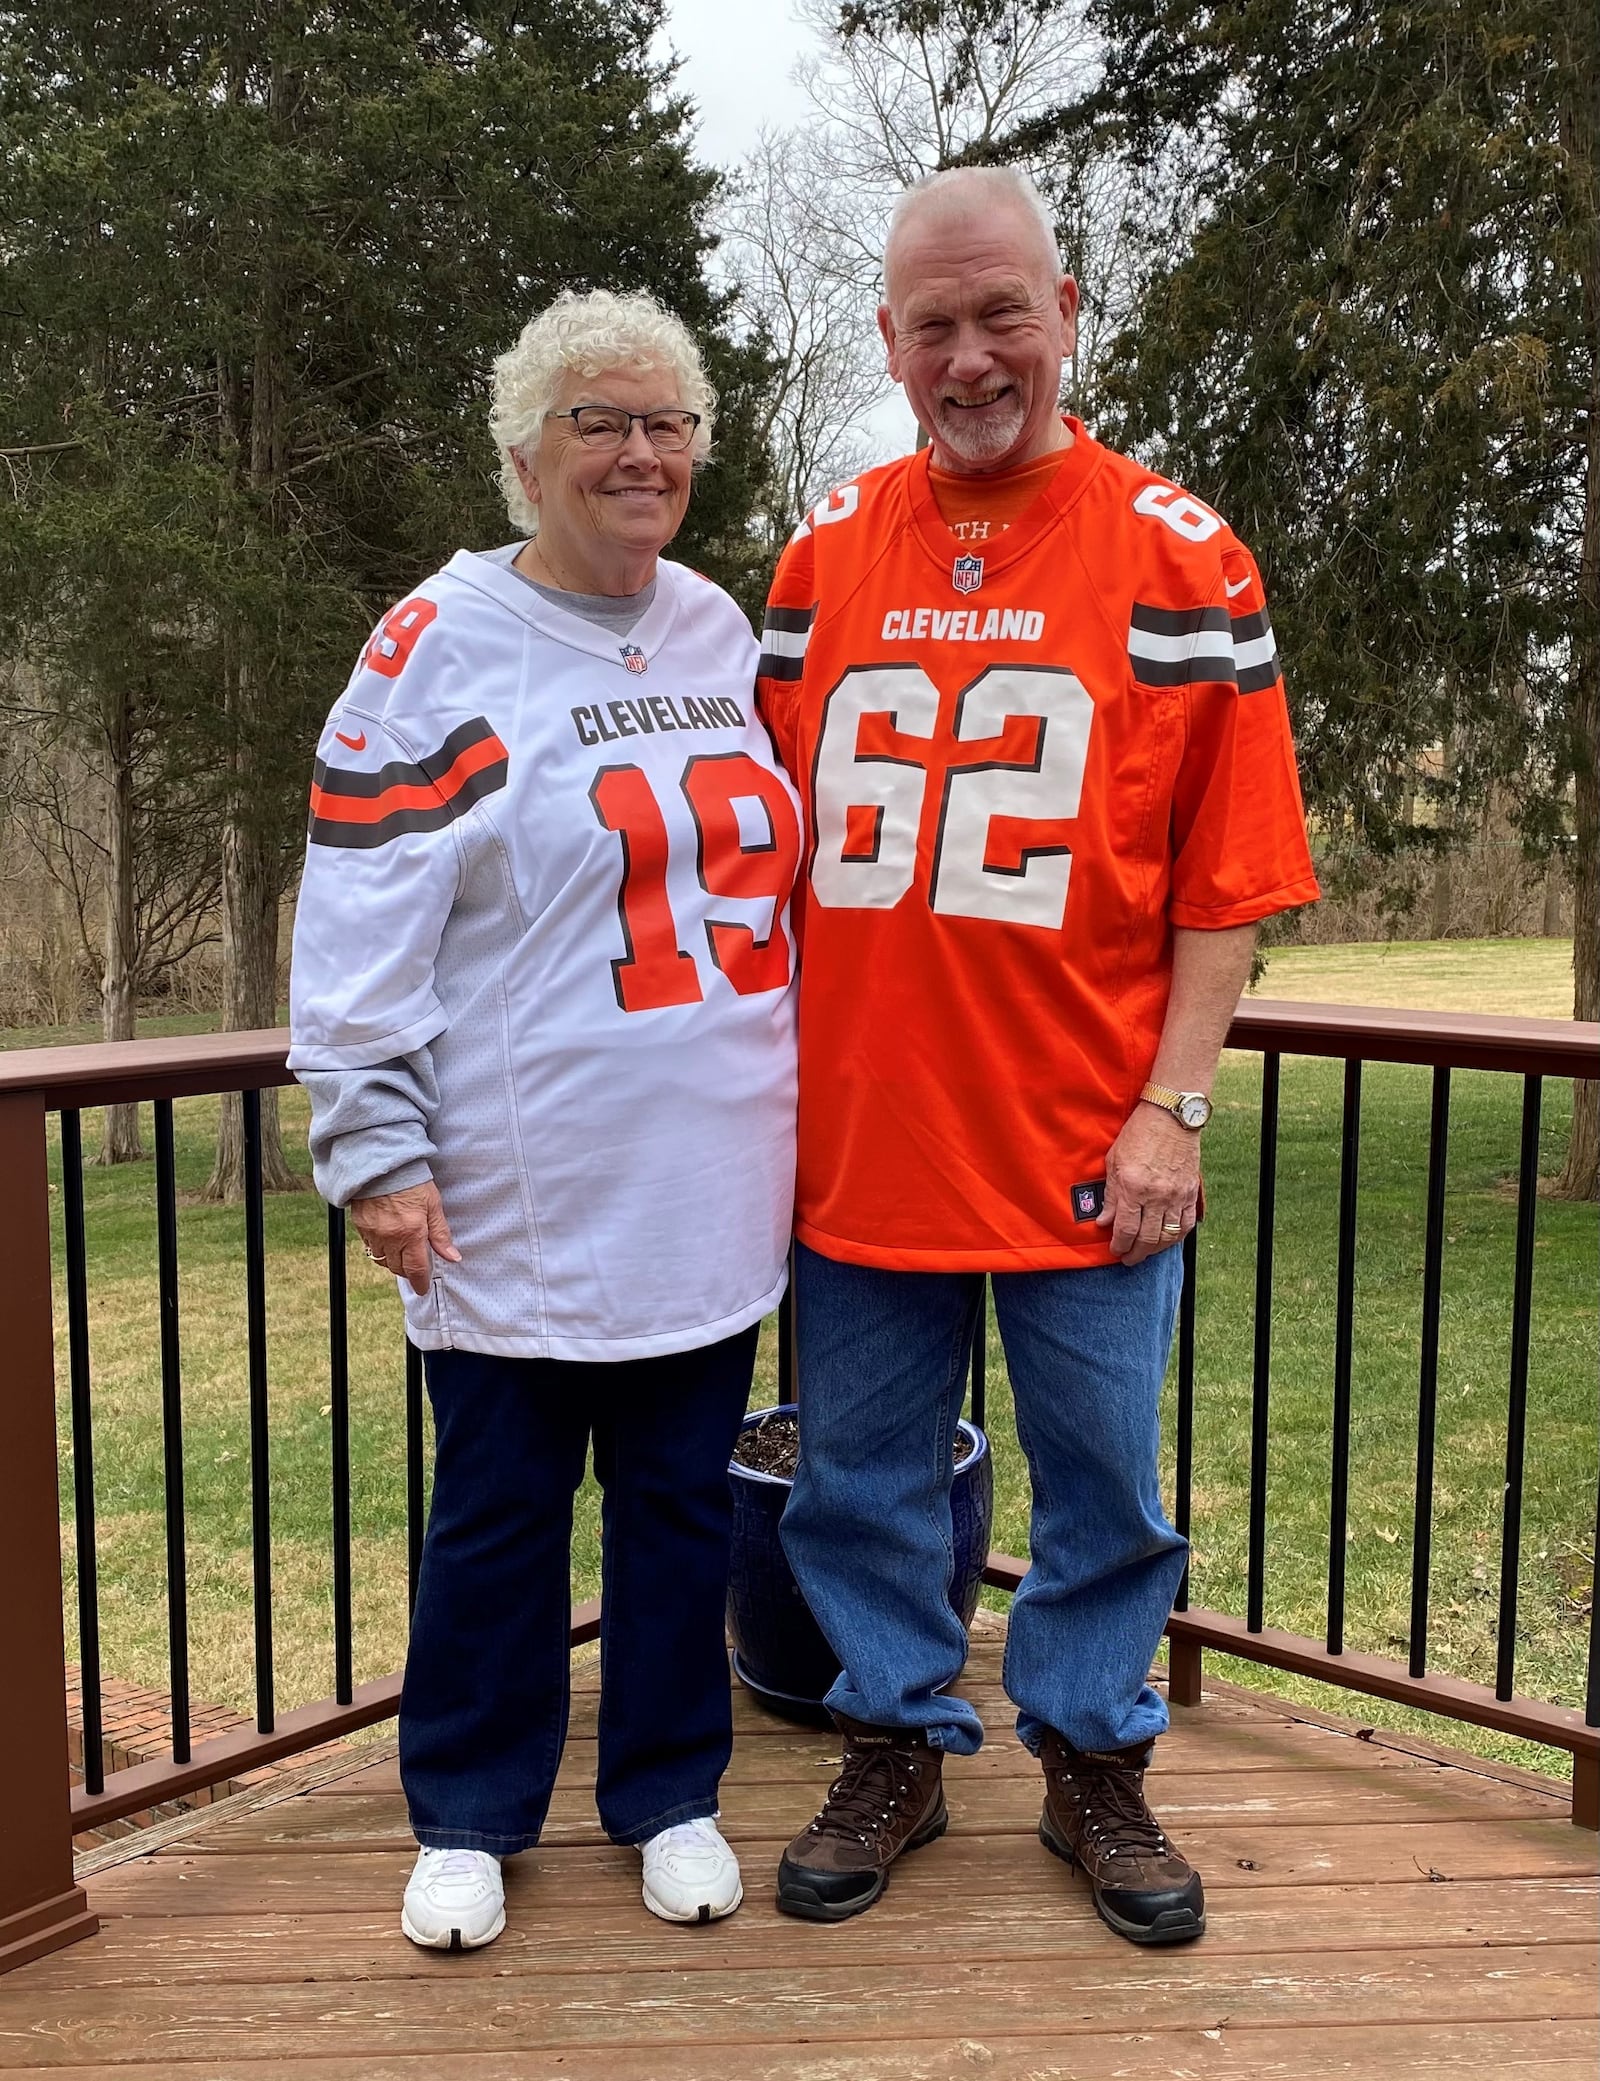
1550,924
251,868
1580,1177
1443,899
249,1000
119,1140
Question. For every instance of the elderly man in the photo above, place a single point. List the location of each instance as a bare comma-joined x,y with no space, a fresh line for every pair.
1031,695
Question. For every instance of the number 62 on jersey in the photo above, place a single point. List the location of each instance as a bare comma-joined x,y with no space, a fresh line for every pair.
869,806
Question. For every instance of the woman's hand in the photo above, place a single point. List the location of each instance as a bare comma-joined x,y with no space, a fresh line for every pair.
405,1231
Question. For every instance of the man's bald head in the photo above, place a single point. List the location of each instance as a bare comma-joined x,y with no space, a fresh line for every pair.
977,317
994,195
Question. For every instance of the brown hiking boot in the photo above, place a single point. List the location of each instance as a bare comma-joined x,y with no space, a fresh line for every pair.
888,1797
1095,1816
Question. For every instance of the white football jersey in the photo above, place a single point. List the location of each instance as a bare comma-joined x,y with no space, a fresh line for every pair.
562,861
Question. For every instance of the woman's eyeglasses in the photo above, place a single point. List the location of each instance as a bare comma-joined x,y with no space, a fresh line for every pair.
608,426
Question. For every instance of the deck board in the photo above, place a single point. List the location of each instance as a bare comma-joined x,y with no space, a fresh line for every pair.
1374,1912
1557,2051
1033,1921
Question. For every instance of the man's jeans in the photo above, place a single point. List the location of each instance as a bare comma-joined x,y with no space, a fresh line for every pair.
483,1714
883,1361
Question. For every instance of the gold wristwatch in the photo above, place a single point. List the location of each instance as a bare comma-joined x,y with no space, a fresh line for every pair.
1188,1108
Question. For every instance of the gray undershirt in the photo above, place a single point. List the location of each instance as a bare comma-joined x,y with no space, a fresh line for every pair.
370,1127
614,611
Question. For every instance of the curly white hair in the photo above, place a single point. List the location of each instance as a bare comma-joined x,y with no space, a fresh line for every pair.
586,334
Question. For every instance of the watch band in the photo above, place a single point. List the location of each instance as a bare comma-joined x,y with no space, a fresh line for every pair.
1180,1104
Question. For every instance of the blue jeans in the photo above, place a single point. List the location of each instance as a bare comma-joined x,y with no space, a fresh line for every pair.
883,1362
483,1712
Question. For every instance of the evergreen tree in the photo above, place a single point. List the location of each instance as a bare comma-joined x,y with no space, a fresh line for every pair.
271,257
1380,355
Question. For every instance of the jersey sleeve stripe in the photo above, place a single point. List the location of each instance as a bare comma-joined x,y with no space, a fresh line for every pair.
1254,679
329,830
1191,646
368,809
1255,652
1204,643
401,773
1209,670
1179,621
1180,646
785,632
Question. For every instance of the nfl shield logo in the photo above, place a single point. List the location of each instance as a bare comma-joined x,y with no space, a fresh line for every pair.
1087,1200
634,658
966,574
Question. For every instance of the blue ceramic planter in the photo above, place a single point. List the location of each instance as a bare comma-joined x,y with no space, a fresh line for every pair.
778,1649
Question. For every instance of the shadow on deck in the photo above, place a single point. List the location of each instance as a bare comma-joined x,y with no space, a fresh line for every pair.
1375,1911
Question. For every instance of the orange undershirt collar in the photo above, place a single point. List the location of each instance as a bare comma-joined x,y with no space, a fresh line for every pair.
978,509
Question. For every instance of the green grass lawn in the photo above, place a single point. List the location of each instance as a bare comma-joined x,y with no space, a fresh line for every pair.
1474,1364
1526,978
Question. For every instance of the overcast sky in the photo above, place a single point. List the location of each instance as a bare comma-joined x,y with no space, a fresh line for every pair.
737,56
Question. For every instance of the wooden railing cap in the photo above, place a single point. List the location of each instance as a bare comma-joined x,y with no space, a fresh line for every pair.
178,1065
183,1065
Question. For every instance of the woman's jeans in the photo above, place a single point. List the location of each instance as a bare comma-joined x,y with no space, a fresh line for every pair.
883,1363
483,1714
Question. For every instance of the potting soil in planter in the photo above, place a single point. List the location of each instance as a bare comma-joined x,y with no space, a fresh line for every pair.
772,1446
779,1651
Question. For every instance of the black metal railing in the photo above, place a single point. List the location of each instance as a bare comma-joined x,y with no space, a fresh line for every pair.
1532,1049
1428,1380
174,1503
65,1081
339,1417
1343,1352
171,1430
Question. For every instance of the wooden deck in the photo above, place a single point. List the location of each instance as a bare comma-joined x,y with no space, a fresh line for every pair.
1375,1911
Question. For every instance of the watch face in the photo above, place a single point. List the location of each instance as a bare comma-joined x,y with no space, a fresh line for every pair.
1193,1110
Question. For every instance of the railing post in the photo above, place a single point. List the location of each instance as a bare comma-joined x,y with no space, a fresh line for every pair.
1586,1791
1185,1677
40,1908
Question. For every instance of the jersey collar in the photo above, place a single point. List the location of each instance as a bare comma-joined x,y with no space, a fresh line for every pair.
488,573
1079,466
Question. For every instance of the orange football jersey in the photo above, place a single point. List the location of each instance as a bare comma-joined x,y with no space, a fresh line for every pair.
1020,768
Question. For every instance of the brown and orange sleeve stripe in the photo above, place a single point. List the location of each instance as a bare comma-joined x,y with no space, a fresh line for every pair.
349,808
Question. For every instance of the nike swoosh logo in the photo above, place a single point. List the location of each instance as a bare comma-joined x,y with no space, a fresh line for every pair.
1230,590
355,743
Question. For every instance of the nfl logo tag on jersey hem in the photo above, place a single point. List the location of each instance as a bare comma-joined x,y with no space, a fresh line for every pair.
966,573
634,658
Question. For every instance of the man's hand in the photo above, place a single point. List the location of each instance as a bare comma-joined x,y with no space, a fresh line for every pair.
405,1231
1153,1166
1152,1185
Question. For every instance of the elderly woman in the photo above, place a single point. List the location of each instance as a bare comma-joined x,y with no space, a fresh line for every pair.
542,1002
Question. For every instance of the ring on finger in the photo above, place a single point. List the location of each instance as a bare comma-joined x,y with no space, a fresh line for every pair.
1172,1228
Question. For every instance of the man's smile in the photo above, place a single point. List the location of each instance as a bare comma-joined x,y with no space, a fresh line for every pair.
981,402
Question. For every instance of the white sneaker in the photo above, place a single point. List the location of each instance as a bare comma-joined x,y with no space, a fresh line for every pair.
690,1874
455,1900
